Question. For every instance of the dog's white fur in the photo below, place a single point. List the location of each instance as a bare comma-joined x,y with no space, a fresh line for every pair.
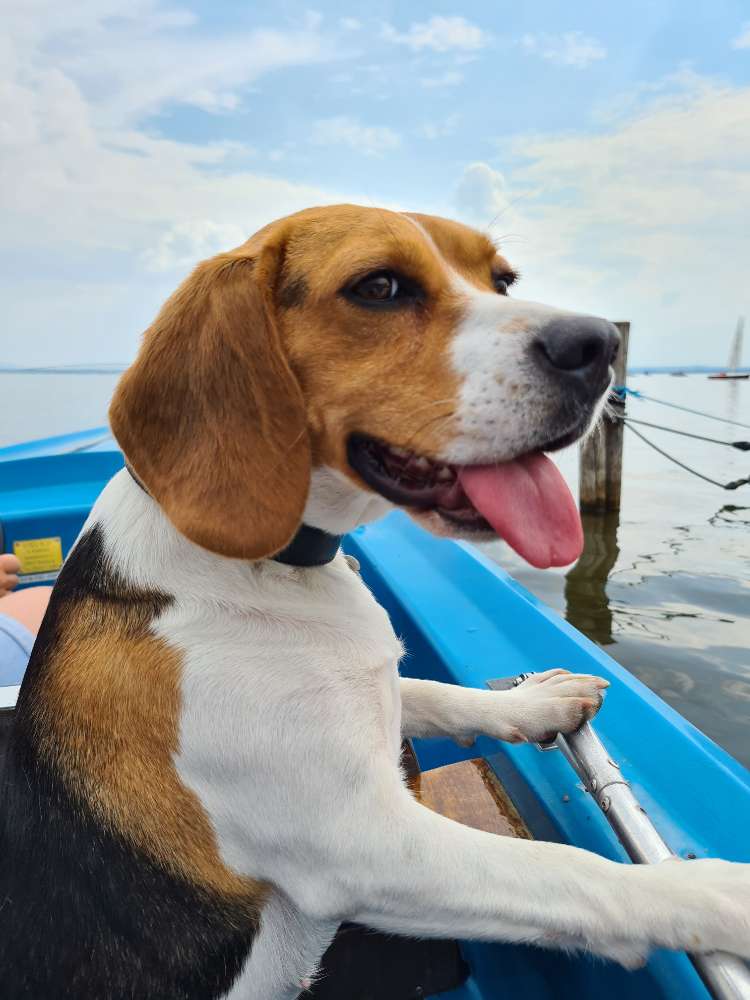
504,406
293,713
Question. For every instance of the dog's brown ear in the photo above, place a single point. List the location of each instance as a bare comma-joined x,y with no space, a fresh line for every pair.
210,415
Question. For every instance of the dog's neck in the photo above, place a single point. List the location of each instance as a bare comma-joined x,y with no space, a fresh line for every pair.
334,507
337,506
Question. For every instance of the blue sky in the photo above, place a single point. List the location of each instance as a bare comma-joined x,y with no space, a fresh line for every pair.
606,146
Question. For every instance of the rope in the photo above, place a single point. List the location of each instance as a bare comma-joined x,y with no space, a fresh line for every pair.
740,445
724,486
622,390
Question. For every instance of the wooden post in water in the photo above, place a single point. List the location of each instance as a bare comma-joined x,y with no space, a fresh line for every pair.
600,458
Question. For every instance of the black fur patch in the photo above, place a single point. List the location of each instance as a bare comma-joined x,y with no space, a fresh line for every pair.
293,293
82,914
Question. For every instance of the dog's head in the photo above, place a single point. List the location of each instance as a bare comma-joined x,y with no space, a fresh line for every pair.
377,355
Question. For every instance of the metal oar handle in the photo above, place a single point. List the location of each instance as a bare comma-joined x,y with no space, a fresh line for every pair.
725,976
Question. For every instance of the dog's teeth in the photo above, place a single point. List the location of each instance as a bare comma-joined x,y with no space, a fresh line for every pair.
421,463
444,474
399,452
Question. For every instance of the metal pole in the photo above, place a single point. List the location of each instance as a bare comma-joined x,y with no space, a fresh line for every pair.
726,977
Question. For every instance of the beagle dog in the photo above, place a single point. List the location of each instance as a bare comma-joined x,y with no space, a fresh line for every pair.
203,776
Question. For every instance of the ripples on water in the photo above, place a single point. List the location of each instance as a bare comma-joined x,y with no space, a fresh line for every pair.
664,586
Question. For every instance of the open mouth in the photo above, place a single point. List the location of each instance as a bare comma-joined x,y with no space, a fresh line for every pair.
525,501
412,480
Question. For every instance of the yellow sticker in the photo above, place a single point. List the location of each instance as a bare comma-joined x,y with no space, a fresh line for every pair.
39,555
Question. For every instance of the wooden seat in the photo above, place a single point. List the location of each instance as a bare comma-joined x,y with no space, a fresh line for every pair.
468,792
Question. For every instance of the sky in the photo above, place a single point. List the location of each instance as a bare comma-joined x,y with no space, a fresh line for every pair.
605,147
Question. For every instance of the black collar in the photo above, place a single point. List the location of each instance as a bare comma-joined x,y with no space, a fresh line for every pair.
309,547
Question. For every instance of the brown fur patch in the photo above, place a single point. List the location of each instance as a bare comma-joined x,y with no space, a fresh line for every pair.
107,718
471,253
210,416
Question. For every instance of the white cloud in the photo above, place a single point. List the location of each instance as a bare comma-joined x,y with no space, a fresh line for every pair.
184,243
132,64
101,215
742,41
372,140
482,193
571,48
644,221
440,34
451,78
350,24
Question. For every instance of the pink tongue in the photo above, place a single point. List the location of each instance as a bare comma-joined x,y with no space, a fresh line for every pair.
528,503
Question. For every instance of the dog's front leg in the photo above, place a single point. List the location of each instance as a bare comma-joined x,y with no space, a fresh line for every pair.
552,702
418,873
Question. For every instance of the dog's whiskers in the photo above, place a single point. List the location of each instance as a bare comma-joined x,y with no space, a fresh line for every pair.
434,402
443,417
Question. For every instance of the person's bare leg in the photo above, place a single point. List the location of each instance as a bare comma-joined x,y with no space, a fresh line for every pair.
27,606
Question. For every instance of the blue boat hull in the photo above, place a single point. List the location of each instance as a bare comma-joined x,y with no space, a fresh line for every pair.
464,620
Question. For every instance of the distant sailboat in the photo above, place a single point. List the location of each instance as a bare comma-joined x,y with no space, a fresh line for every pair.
735,355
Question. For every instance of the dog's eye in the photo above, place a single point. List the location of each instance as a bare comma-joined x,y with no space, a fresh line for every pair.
502,282
384,289
383,286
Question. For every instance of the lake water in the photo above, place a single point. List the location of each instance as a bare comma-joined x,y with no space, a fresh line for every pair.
664,587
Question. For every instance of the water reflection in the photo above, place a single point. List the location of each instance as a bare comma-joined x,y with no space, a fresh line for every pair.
733,399
727,512
599,599
586,600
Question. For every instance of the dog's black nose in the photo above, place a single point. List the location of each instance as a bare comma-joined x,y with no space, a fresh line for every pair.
580,347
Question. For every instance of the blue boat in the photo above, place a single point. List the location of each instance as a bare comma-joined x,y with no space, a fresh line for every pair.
464,620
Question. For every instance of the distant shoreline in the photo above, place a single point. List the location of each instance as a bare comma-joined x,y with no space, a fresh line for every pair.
117,368
687,369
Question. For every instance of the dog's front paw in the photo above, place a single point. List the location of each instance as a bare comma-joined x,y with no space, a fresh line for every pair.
715,906
555,701
695,906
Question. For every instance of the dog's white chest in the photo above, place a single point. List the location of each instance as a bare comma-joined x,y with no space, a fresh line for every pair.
277,706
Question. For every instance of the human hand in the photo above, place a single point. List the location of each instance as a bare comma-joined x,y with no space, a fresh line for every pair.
9,568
